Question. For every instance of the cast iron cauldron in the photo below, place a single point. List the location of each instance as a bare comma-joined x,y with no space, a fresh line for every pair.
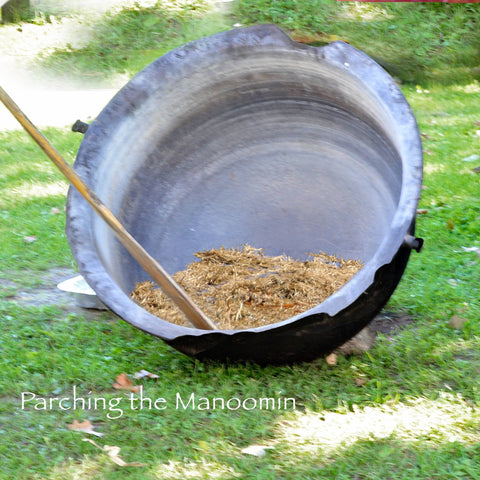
249,137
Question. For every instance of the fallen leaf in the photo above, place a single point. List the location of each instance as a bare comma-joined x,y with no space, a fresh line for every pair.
331,359
256,450
29,238
144,374
450,224
124,383
113,454
360,381
422,211
456,322
85,427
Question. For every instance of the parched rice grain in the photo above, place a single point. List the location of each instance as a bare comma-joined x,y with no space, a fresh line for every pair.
243,288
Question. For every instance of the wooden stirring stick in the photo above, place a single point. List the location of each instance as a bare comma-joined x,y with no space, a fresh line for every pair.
147,262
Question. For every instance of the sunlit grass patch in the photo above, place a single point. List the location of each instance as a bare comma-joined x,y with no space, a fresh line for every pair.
176,470
449,419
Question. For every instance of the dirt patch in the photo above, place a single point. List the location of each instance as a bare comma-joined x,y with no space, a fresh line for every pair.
46,294
388,323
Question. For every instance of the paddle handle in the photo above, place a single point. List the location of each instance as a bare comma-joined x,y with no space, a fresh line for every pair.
145,260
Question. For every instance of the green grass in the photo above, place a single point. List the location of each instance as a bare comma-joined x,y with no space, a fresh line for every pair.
429,43
424,43
33,190
406,409
448,119
128,40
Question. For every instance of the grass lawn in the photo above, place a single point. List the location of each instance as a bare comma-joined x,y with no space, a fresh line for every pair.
406,409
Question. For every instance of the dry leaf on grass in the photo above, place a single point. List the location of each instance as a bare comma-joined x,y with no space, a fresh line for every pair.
29,238
456,322
113,454
360,381
124,383
256,450
85,427
450,224
144,374
331,359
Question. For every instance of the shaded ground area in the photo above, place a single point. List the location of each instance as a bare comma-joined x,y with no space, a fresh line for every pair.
388,323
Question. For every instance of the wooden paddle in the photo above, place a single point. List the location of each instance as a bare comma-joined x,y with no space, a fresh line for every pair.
147,262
